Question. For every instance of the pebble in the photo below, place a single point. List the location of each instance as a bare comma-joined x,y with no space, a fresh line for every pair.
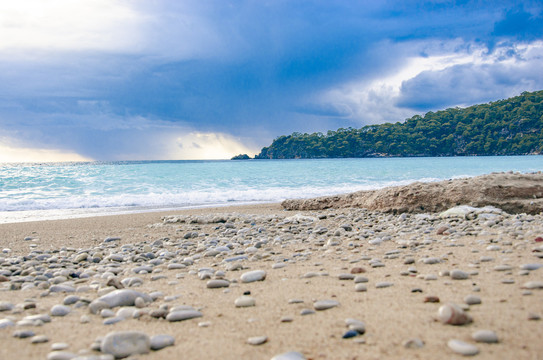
60,310
61,355
121,344
182,315
325,304
217,283
383,284
485,336
304,312
291,355
472,300
245,301
59,346
356,325
122,297
454,315
4,323
252,276
39,339
161,341
360,279
360,287
350,333
459,274
462,347
23,334
257,340
531,285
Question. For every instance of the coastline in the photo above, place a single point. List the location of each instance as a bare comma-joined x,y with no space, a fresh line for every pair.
305,255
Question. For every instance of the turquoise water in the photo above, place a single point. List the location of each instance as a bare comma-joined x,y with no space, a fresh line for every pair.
38,191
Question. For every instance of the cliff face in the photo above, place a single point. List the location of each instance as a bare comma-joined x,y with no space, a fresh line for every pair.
513,193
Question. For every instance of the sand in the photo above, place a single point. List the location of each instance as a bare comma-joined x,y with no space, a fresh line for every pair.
392,315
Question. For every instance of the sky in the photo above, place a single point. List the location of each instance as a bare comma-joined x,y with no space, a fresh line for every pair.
160,80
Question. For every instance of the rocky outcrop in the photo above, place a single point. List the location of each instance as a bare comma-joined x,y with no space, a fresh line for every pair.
512,192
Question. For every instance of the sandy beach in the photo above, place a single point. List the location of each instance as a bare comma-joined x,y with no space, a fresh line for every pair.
391,272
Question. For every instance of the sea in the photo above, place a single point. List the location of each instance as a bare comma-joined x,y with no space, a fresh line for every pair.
48,191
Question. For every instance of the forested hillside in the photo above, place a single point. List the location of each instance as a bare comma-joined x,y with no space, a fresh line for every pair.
507,127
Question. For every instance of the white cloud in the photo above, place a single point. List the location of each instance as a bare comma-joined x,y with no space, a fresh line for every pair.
105,25
379,99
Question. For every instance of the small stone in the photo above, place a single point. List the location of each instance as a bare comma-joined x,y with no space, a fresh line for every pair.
252,276
325,304
304,312
459,275
4,323
257,340
472,300
182,315
70,299
60,310
60,355
533,285
454,315
245,301
161,341
358,270
383,284
431,299
217,283
350,333
360,287
39,339
23,334
6,306
356,325
462,347
59,346
125,343
346,276
291,355
534,316
413,344
485,336
287,319
360,279
122,297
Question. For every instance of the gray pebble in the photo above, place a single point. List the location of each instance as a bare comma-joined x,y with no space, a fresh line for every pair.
360,279
472,300
217,283
181,315
161,341
60,310
462,347
245,301
485,336
307,312
533,285
458,274
59,346
251,276
291,355
39,339
23,334
325,304
530,267
360,287
61,355
125,343
4,323
257,340
383,284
